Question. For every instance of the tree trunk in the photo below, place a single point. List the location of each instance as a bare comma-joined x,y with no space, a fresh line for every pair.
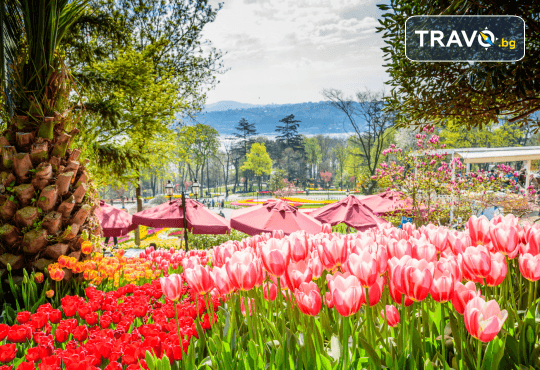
138,191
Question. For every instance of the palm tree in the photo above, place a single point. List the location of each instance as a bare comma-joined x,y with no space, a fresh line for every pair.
46,200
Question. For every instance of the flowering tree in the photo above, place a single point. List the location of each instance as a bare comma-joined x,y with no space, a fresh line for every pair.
325,177
287,190
431,191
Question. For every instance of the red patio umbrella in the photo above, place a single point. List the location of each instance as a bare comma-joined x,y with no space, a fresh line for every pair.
200,220
350,211
275,215
114,221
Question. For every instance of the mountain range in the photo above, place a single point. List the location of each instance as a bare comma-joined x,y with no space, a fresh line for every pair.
316,117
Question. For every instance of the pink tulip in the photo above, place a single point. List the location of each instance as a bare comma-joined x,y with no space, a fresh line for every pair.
498,269
395,271
316,267
364,267
375,291
399,248
477,260
533,243
439,238
222,280
299,248
443,286
396,295
326,229
199,279
463,294
296,274
243,269
479,230
308,298
171,286
329,300
332,253
424,251
417,277
278,234
275,256
529,266
449,264
189,263
392,315
505,239
273,292
251,305
222,253
484,320
347,294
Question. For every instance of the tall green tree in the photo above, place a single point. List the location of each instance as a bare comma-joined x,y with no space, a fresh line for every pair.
289,138
258,161
313,154
245,133
46,194
473,94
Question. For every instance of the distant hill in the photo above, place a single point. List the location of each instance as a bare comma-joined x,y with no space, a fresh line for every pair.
317,118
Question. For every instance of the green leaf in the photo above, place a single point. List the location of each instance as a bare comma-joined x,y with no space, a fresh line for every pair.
149,360
494,354
252,348
371,352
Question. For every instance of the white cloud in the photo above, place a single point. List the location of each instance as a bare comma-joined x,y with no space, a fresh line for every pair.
286,51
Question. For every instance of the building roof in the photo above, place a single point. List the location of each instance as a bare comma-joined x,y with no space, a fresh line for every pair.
488,155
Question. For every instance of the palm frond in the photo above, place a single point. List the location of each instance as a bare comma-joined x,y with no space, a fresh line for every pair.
10,38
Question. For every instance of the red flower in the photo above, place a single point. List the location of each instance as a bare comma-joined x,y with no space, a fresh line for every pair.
114,366
26,366
80,333
23,317
7,352
19,333
55,316
92,318
39,320
32,354
105,321
3,331
61,335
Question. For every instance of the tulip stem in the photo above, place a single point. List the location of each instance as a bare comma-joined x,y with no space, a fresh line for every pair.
443,346
346,343
530,298
479,356
178,329
403,324
368,314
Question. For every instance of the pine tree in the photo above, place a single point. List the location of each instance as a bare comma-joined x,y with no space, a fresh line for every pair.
246,131
290,138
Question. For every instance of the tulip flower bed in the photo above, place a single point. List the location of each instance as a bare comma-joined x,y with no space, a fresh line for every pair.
120,329
411,298
461,300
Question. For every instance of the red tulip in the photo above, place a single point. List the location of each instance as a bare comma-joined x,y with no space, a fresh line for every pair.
19,333
243,270
484,320
529,266
172,286
273,291
308,298
347,293
479,230
296,274
443,286
23,317
333,253
222,280
463,294
8,352
505,239
477,260
275,256
364,267
392,315
498,269
417,277
80,333
199,279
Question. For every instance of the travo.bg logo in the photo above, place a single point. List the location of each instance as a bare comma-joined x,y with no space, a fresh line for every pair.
485,38
465,38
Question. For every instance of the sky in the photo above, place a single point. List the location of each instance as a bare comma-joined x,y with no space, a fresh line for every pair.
287,51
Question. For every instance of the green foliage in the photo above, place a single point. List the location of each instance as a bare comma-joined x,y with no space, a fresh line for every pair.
206,241
493,136
474,94
258,160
